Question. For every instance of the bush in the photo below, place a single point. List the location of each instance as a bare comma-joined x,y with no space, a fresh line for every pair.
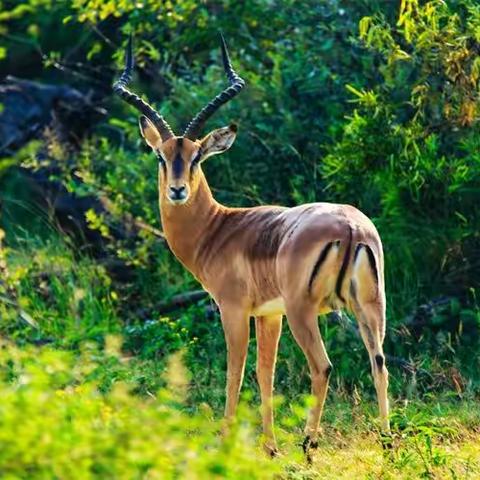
55,423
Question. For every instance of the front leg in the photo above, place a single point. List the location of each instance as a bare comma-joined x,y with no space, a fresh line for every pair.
268,331
236,327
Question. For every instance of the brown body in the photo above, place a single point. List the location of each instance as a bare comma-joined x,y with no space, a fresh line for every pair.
253,256
265,261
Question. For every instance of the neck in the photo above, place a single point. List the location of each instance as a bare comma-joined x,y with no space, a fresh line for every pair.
185,225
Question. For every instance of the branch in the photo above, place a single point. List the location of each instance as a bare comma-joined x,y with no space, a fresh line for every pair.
21,313
182,300
178,301
130,219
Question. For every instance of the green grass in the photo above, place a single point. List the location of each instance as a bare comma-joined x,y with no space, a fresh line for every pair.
55,422
106,396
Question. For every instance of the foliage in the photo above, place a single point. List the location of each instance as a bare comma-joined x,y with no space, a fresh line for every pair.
57,423
65,428
421,181
371,103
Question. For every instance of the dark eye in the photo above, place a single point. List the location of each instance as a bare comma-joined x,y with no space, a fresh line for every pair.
197,158
161,160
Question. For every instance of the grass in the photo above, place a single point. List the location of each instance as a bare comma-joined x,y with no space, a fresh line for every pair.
360,456
108,397
55,422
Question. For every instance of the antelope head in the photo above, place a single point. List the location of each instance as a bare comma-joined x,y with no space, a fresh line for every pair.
180,157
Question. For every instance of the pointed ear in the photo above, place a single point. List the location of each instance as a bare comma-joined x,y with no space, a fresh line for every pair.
150,133
218,141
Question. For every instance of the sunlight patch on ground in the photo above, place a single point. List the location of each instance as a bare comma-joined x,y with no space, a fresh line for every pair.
362,457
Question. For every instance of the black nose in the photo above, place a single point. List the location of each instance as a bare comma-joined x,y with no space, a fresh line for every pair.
178,193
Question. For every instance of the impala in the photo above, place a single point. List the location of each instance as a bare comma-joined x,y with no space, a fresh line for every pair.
265,261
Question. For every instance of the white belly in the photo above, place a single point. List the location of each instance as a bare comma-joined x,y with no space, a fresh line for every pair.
276,306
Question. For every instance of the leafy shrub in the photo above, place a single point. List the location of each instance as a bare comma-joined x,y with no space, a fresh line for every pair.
409,158
54,423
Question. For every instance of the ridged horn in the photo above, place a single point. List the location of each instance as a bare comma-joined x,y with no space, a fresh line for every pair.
120,88
236,84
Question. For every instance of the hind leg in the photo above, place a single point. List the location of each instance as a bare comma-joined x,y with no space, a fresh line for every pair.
303,322
371,319
367,300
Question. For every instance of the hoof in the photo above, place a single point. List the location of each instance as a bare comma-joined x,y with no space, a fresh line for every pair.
271,450
386,440
309,444
274,453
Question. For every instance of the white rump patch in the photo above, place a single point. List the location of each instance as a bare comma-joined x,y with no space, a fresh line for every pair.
361,261
364,277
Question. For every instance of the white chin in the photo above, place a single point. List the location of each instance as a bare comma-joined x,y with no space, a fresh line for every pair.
177,201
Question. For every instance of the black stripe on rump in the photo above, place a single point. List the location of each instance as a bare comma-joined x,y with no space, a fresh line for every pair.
318,264
373,264
343,268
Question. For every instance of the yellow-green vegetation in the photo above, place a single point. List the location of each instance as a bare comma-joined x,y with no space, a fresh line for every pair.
371,103
107,400
58,422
